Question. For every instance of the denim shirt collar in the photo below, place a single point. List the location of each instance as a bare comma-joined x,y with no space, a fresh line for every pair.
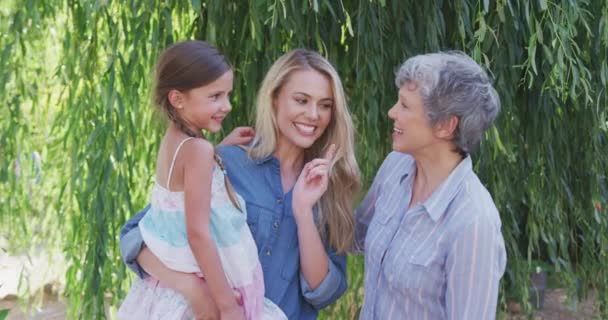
261,161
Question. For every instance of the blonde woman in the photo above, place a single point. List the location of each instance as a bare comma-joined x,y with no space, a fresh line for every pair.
298,178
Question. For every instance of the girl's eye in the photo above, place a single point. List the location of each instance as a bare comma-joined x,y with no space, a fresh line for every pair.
327,106
216,96
403,106
301,101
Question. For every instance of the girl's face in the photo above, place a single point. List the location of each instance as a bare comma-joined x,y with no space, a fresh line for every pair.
304,107
412,130
204,108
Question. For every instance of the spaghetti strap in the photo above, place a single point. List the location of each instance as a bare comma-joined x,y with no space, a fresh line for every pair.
173,162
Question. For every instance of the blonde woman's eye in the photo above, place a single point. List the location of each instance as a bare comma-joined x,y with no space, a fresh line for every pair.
327,106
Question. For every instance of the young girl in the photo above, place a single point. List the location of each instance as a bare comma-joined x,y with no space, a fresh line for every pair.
197,223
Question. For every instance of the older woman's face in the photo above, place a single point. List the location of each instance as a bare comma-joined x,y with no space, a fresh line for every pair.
412,131
304,107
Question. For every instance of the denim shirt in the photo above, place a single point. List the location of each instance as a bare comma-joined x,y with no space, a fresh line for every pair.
272,224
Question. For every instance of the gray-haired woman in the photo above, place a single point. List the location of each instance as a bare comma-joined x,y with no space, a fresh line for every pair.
429,229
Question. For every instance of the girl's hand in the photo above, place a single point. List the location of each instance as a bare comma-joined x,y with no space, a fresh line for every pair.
238,136
192,287
234,313
200,300
313,180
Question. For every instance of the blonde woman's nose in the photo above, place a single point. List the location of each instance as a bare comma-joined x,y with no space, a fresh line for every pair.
313,112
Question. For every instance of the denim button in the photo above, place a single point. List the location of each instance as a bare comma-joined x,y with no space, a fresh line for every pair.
275,225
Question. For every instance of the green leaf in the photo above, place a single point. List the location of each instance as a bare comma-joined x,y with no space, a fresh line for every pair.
196,5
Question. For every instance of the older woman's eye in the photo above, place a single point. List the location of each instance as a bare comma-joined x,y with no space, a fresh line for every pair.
403,105
301,101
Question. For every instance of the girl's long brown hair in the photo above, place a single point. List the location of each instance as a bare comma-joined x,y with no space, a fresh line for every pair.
185,66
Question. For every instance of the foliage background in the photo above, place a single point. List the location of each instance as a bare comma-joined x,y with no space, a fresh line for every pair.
78,137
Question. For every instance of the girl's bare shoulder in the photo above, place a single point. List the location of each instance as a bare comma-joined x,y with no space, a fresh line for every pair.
198,151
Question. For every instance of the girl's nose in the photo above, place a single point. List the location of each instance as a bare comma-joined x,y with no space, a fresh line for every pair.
227,106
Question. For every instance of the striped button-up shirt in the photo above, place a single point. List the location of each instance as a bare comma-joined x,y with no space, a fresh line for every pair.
440,259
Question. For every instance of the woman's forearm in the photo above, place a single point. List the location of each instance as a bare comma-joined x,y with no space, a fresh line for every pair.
178,281
193,288
313,257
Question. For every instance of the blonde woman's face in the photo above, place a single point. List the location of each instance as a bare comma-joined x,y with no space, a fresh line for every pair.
304,107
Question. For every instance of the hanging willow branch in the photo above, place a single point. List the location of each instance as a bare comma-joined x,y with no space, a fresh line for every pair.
75,79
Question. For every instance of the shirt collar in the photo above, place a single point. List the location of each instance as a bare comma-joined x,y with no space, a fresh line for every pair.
263,160
259,161
441,198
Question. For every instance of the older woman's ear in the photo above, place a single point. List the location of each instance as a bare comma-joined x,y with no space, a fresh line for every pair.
446,129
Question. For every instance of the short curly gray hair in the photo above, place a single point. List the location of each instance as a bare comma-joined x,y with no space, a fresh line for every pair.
453,84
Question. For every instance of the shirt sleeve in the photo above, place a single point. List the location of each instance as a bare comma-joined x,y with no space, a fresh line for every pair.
333,285
131,243
367,207
474,267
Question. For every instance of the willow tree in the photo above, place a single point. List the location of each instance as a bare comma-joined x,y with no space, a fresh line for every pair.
75,79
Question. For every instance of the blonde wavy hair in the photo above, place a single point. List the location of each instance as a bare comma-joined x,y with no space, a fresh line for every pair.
335,208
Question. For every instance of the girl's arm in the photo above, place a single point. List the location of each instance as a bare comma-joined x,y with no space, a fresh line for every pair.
141,260
198,173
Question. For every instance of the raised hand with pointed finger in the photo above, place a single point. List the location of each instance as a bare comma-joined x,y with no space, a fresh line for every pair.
313,180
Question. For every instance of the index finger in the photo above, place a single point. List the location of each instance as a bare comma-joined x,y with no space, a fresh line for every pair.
330,153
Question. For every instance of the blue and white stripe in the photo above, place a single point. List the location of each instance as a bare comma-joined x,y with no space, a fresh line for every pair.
440,259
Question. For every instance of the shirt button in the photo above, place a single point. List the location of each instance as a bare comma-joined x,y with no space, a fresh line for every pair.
268,252
279,200
275,225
